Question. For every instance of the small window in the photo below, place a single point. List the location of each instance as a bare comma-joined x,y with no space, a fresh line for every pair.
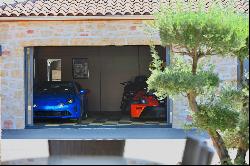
54,70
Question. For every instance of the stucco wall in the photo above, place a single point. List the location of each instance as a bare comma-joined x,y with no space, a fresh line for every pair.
14,36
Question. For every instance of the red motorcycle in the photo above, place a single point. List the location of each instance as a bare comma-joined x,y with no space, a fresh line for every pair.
139,103
130,89
147,105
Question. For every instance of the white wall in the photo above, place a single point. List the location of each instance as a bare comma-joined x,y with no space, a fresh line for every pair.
20,149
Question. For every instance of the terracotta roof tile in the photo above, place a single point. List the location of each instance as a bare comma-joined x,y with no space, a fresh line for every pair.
98,7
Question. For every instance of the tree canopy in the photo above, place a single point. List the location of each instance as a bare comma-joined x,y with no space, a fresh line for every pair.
218,29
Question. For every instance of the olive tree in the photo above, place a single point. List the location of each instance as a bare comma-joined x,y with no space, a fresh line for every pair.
197,33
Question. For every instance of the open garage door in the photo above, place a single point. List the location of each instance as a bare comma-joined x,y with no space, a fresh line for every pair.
100,70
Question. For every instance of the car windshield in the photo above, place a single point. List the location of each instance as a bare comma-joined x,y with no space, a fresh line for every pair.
58,87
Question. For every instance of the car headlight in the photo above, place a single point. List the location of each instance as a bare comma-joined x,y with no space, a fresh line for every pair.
70,101
61,105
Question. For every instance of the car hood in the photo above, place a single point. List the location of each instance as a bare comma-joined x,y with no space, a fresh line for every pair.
51,99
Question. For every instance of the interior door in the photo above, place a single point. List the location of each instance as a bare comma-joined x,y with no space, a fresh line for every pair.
118,64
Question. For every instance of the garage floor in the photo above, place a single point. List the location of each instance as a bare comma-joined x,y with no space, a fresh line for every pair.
105,119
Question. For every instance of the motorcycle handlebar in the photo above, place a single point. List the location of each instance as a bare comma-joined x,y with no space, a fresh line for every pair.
125,83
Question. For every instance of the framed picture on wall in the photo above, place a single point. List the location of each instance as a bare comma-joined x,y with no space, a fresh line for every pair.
80,68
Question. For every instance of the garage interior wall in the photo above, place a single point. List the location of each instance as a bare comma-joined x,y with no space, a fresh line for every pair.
108,67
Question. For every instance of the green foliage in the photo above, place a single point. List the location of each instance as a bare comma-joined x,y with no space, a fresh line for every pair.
215,117
239,137
225,110
157,63
178,78
220,30
232,97
218,109
243,52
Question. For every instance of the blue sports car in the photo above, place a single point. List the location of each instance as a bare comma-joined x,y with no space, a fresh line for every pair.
61,100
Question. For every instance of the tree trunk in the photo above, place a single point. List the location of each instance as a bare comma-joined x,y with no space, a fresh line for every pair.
215,136
241,152
192,95
195,64
240,157
220,147
192,101
243,148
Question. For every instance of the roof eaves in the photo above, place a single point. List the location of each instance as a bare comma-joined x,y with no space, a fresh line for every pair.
77,18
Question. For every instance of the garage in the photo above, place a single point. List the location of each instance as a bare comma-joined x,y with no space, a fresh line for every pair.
46,40
103,72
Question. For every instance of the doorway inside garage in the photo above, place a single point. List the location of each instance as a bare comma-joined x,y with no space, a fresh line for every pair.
101,72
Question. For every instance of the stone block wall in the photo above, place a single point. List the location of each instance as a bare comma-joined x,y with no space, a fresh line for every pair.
16,35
